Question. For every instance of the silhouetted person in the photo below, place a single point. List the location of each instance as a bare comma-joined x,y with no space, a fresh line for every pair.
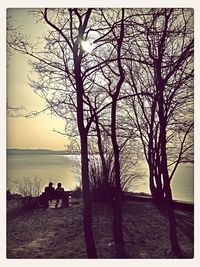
49,194
59,194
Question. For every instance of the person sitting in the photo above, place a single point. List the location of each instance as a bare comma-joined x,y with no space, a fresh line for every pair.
49,194
59,194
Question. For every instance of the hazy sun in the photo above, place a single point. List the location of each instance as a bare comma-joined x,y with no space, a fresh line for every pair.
87,46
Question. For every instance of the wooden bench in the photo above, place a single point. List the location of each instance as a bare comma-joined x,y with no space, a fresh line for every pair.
61,195
65,199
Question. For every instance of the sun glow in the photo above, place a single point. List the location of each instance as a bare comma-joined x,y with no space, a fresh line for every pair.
87,46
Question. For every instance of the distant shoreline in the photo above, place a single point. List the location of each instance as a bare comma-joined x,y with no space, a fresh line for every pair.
17,151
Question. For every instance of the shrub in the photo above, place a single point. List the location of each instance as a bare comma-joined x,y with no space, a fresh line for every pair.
102,193
28,187
30,203
77,192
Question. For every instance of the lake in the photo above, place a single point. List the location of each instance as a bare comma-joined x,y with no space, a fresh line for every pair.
63,168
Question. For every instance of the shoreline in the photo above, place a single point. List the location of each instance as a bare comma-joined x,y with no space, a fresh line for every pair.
62,168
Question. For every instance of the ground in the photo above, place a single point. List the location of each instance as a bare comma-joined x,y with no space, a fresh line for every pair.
58,233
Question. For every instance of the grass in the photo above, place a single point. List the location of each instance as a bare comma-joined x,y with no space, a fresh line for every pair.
58,233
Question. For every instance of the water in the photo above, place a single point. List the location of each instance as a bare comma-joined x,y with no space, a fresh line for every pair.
61,168
182,183
54,168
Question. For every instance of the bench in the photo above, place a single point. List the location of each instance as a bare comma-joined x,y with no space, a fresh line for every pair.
44,198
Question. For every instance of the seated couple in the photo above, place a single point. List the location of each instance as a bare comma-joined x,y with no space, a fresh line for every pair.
51,193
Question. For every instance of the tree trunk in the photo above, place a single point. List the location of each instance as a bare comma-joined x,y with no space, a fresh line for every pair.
103,161
172,222
151,182
117,227
155,183
164,170
158,176
87,212
117,209
116,202
157,192
159,198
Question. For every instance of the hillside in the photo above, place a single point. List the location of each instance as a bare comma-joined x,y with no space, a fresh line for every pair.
58,233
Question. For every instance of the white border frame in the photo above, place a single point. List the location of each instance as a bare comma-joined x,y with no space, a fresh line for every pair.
106,262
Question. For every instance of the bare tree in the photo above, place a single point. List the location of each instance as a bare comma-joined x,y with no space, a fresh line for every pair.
61,82
164,56
66,77
113,91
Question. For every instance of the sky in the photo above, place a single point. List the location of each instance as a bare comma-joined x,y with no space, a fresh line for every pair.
32,132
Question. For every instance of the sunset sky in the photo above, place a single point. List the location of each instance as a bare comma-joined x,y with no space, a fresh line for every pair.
33,132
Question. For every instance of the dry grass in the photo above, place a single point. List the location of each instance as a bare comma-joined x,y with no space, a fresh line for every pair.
58,233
